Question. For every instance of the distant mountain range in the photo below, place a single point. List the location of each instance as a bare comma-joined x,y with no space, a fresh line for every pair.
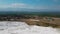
18,11
25,9
44,13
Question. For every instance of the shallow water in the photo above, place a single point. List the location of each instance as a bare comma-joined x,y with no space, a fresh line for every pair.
14,27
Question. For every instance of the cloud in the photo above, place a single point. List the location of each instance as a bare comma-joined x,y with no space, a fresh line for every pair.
21,5
17,5
27,6
14,5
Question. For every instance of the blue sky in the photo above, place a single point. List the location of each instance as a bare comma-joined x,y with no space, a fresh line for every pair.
30,4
